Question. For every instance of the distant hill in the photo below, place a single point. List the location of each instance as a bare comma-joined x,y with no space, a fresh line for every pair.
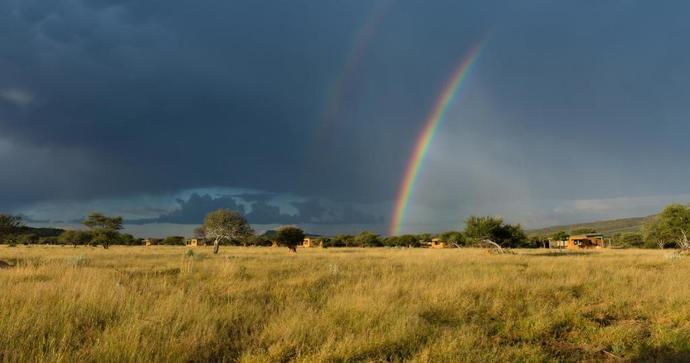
606,227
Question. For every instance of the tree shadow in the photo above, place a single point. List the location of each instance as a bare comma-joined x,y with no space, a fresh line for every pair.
561,253
662,353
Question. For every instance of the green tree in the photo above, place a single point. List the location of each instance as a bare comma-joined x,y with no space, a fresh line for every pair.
478,228
671,226
408,240
560,236
424,237
635,240
453,238
368,239
75,237
173,241
290,236
344,240
226,225
105,229
28,239
129,240
538,241
9,226
630,240
494,229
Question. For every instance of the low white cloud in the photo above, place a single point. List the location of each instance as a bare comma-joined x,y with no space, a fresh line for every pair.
17,97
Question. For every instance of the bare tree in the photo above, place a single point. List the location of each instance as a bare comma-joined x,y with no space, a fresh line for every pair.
492,245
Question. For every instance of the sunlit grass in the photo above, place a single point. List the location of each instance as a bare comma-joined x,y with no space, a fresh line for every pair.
265,304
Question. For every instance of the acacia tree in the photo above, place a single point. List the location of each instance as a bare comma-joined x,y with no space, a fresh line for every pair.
225,224
290,236
105,229
671,225
494,229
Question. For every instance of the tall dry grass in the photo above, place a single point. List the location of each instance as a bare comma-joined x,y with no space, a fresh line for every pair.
337,305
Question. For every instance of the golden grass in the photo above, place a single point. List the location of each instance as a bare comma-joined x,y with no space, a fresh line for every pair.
337,305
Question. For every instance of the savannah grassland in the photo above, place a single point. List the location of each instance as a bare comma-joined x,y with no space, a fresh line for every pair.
336,305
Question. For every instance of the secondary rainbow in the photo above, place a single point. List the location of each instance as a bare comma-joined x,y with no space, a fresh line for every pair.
427,135
362,41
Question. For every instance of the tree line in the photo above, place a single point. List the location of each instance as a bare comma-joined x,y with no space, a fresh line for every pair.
225,226
668,229
99,230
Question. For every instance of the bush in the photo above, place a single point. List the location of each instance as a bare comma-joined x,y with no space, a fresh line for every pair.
173,241
453,238
368,239
630,240
408,240
28,239
75,237
343,240
127,240
494,229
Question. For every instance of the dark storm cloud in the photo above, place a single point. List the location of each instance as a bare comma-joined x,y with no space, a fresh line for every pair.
261,211
28,219
194,209
164,96
103,99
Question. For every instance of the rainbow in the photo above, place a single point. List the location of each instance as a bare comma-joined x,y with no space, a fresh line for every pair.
364,36
427,135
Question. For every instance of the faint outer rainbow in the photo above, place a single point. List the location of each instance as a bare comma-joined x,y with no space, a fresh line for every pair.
362,39
427,135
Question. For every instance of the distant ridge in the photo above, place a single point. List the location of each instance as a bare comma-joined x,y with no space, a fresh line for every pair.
607,227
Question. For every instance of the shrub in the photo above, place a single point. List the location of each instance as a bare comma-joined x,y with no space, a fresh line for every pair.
173,241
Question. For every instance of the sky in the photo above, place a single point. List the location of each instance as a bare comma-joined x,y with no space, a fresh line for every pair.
308,112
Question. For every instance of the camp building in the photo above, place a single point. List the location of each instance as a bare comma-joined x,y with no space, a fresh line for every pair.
591,240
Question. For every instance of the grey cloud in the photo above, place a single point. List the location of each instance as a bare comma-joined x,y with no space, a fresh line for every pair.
311,211
174,99
115,99
194,209
15,96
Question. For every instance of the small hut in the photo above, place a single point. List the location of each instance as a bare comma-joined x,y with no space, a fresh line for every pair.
438,243
558,244
309,242
151,241
194,242
582,241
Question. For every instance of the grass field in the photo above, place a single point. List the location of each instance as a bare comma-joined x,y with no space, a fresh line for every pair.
337,305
